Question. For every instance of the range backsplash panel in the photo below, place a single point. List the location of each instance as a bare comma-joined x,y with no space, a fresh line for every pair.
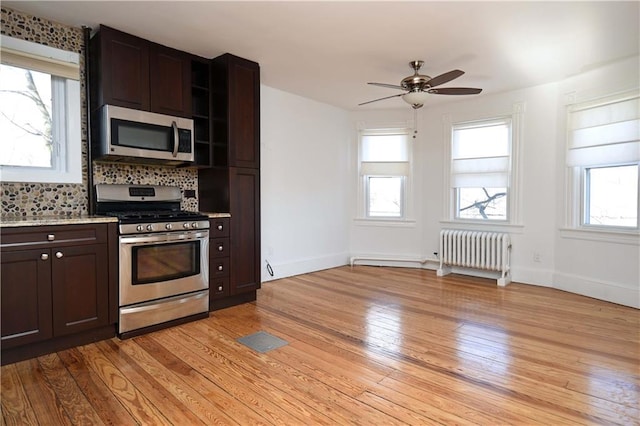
184,178
38,199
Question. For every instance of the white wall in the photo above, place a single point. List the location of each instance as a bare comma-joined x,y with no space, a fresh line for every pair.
310,189
305,174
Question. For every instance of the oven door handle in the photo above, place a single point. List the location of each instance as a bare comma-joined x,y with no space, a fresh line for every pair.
163,238
169,301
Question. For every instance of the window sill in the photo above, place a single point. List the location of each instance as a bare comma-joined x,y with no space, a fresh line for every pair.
474,225
630,237
400,223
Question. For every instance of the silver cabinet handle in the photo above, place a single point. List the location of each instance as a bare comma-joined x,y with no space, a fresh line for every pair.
51,237
176,138
59,254
219,288
219,267
44,256
219,227
220,247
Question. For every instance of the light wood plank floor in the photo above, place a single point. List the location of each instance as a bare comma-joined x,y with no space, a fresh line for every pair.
366,346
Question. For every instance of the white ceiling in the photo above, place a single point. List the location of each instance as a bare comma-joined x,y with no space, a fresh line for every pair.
329,50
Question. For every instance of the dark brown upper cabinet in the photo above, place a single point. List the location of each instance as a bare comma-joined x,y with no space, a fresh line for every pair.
132,72
236,112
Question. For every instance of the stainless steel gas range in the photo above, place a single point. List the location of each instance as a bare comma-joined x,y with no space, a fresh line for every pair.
163,255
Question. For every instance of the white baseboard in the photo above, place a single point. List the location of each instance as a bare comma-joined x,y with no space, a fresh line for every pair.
303,266
608,291
395,261
542,278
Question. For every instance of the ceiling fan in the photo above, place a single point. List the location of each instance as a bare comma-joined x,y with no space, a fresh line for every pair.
418,86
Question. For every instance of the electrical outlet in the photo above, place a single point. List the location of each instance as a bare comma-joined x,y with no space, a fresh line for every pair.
189,193
536,257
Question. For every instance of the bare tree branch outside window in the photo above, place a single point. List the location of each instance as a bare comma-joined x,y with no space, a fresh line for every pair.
28,111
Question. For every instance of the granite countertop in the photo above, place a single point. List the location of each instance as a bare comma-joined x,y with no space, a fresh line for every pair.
12,222
216,215
16,221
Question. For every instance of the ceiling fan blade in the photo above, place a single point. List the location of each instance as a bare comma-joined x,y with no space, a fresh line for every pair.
455,91
444,78
381,99
390,86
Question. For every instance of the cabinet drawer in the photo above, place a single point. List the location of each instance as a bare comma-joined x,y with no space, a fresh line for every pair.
44,236
219,267
219,287
219,247
219,227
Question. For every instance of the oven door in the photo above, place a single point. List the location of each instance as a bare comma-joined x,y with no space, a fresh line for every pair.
153,266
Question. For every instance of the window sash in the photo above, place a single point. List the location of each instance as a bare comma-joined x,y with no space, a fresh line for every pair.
401,195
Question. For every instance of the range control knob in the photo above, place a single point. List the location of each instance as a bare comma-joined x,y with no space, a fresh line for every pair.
149,228
194,224
139,228
185,225
168,226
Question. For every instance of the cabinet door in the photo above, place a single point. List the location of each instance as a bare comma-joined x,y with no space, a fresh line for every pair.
244,113
244,187
79,288
170,79
25,281
124,69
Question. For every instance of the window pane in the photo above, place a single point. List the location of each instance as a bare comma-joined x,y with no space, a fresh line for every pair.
384,148
385,196
25,117
612,196
481,203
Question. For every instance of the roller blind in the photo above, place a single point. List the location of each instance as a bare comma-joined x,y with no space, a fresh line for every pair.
605,132
37,57
385,153
480,154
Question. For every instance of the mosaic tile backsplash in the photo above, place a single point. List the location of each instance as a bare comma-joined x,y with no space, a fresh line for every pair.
36,199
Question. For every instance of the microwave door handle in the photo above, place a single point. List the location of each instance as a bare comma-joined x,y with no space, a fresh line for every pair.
176,139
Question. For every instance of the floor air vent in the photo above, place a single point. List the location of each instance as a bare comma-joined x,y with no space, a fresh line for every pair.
262,341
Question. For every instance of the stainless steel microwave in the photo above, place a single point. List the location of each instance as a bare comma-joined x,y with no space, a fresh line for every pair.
134,136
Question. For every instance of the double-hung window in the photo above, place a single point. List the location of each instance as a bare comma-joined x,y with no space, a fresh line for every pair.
603,154
480,169
384,171
40,122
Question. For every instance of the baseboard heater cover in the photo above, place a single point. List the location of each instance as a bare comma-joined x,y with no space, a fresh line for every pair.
476,250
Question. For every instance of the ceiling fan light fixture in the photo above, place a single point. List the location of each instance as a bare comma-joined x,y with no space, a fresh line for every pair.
415,99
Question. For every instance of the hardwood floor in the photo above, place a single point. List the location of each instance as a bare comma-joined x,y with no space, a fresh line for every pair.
366,346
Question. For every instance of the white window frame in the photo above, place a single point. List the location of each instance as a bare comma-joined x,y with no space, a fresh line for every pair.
406,208
514,201
577,197
67,134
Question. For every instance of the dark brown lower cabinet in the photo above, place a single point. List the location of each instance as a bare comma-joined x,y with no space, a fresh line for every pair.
56,288
25,281
237,191
80,290
244,205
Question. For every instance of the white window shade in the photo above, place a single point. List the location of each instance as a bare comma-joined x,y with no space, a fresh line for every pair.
49,60
480,155
393,147
488,172
605,133
386,168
